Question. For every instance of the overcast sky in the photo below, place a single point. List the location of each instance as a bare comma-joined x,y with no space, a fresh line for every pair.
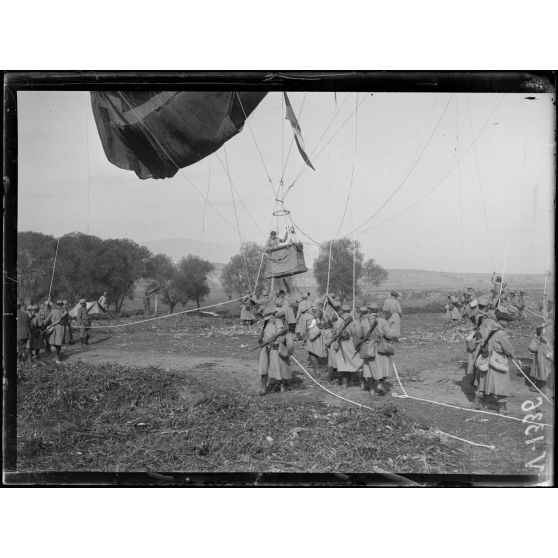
406,140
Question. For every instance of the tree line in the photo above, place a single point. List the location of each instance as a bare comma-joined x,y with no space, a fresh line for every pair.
87,266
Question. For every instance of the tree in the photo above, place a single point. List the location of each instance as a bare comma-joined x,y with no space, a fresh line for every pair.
120,265
233,277
191,279
341,272
373,273
35,260
163,271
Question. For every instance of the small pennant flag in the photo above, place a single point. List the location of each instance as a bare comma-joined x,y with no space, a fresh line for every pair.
290,116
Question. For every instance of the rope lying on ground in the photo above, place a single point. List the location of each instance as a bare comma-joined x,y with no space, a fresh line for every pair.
529,379
406,396
166,315
372,409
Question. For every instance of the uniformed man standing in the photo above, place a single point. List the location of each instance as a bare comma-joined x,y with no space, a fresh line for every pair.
393,312
84,322
23,333
103,301
56,330
36,323
346,347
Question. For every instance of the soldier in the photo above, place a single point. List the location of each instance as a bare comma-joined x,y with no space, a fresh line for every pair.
281,349
378,334
543,359
103,301
246,314
84,322
44,311
68,335
317,351
57,322
287,309
393,312
267,334
521,304
494,374
303,316
36,342
273,241
262,303
498,289
452,308
23,333
146,304
346,347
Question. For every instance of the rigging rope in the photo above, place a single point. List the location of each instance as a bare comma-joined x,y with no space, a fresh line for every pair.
490,250
205,203
460,198
408,174
107,326
53,268
173,161
237,222
353,167
238,194
256,144
465,153
305,167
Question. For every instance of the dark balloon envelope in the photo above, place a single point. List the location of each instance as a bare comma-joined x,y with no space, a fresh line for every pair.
155,133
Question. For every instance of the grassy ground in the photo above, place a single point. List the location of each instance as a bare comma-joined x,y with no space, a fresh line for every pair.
114,418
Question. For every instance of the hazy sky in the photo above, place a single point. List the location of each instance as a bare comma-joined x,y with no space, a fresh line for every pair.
402,139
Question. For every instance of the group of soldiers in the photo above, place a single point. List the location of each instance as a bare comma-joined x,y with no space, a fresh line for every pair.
462,305
343,342
48,325
489,351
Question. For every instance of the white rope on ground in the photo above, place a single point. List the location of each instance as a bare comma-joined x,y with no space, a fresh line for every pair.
529,379
407,396
371,408
53,268
463,440
167,315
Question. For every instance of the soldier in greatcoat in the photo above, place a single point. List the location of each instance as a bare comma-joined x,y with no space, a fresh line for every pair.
393,312
57,323
36,342
23,333
377,367
346,348
84,322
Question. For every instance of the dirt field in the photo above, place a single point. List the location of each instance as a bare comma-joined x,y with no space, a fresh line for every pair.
216,353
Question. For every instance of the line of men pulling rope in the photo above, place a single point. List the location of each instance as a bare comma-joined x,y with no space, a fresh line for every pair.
343,345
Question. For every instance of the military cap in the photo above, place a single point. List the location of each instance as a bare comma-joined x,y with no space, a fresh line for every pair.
273,233
373,307
83,301
59,302
363,309
345,308
32,307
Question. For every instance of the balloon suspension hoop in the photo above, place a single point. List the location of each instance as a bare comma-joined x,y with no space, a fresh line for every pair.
281,213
